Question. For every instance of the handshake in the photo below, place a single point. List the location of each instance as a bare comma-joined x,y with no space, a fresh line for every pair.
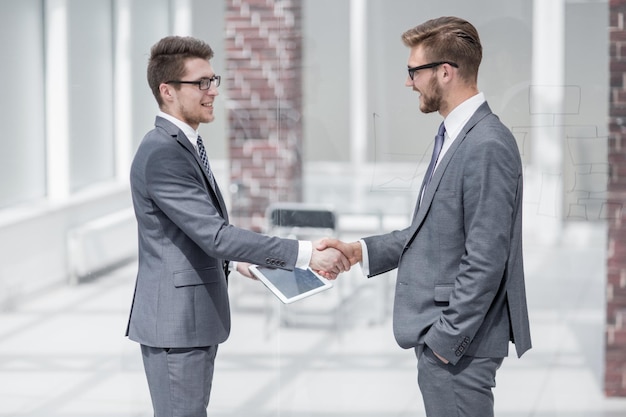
331,257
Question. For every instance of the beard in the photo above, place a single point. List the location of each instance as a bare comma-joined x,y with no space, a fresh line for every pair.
194,117
431,100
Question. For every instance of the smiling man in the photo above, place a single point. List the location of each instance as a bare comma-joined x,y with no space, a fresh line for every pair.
180,311
460,293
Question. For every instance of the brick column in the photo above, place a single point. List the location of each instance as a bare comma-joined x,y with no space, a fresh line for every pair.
264,63
615,359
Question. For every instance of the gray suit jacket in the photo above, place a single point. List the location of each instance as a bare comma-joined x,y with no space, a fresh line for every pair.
460,286
181,297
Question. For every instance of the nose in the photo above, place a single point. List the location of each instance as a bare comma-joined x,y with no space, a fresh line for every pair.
409,81
212,91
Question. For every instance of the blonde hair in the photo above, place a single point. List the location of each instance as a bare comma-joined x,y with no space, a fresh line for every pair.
449,39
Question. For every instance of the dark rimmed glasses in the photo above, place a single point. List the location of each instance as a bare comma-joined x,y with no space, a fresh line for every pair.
431,65
202,83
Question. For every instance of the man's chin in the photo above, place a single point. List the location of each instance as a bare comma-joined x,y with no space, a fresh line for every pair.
427,110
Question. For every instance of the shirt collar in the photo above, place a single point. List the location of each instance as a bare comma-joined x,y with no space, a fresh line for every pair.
190,133
458,117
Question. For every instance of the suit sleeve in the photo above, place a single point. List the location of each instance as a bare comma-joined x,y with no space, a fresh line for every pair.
490,185
176,187
384,251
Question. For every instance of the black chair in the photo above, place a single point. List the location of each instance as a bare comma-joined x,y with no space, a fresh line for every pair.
299,218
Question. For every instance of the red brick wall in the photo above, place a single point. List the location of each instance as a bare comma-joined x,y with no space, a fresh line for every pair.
264,62
615,359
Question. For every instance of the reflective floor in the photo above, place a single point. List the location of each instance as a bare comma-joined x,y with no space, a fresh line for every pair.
63,353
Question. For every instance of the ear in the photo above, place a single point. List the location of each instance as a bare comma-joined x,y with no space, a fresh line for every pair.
167,92
447,73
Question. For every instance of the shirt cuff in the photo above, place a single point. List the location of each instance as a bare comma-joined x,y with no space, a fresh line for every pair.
365,260
305,251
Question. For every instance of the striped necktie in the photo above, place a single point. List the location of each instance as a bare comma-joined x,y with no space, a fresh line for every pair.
205,161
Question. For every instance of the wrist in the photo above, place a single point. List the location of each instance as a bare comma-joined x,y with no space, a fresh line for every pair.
358,252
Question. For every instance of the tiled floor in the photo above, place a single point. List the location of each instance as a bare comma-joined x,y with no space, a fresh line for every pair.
63,353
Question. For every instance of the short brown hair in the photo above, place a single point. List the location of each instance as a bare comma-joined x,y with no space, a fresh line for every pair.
449,39
168,57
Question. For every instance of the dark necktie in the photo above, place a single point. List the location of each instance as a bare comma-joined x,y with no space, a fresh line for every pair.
433,160
205,161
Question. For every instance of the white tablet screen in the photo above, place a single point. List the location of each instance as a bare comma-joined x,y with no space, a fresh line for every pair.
293,285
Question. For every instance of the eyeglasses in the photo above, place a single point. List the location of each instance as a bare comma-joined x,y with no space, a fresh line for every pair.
431,65
202,83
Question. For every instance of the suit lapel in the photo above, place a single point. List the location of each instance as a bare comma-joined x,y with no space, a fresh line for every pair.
427,199
182,139
220,200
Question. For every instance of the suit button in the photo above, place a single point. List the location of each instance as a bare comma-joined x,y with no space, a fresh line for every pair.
283,263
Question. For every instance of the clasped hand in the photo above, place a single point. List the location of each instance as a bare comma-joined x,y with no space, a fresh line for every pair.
331,257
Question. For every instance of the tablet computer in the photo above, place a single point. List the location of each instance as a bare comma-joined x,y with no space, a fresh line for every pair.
290,286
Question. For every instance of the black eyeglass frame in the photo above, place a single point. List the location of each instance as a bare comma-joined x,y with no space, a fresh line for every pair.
203,83
413,70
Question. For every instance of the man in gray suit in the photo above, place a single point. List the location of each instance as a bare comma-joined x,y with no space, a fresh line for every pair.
180,311
460,295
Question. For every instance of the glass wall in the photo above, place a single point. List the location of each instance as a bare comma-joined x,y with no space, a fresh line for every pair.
90,81
77,102
22,145
545,77
77,88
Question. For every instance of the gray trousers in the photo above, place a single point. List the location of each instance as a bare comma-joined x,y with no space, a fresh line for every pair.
179,379
461,390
